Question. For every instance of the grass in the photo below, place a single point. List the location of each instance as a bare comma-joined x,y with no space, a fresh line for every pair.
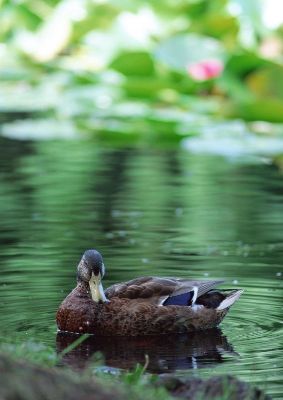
135,384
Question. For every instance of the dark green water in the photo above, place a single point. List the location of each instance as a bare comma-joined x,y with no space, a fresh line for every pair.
158,212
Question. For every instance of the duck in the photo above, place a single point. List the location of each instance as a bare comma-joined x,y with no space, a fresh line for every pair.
145,305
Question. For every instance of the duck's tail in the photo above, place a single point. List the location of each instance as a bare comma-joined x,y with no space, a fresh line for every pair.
230,299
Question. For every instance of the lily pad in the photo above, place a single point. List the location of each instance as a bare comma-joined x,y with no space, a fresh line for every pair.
180,51
39,129
260,110
134,63
234,140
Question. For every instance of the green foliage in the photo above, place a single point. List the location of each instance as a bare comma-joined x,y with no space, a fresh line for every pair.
133,385
135,376
74,60
260,109
72,346
135,63
31,350
131,382
267,82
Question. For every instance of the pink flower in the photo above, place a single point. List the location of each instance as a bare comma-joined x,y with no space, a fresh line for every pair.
206,69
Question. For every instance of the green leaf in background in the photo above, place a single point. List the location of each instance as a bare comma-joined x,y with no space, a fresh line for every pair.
248,76
180,51
267,82
144,87
54,52
223,27
242,63
39,128
270,110
134,63
98,17
30,16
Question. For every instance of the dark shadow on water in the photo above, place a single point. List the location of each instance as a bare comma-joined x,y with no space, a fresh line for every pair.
166,353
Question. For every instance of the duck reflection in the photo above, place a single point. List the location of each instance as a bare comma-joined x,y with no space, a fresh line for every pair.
166,353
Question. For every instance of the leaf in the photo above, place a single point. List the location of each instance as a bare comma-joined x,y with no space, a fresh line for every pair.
100,16
73,345
218,26
179,51
243,63
41,129
146,87
134,63
267,82
270,110
233,139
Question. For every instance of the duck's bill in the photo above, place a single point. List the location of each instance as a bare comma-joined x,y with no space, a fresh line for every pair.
96,289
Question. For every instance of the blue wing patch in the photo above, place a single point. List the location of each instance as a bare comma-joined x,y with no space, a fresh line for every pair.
180,299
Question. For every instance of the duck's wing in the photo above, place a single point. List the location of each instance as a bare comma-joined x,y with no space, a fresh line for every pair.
161,291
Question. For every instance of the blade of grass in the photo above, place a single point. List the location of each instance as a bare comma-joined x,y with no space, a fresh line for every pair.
72,346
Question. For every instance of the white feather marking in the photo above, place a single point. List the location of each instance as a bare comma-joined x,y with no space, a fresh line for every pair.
226,303
162,300
195,289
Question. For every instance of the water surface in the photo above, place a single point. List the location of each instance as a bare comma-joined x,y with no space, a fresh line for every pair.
149,211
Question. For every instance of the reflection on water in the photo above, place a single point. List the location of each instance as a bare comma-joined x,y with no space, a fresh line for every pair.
166,353
150,212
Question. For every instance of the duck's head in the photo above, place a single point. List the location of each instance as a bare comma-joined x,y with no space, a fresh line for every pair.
91,271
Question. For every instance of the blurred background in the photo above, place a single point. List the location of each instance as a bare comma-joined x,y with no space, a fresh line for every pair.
93,65
152,131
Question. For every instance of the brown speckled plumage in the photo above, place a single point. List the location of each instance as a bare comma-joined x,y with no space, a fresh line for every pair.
135,308
79,313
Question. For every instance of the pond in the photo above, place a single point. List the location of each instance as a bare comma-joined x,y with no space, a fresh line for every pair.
150,211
